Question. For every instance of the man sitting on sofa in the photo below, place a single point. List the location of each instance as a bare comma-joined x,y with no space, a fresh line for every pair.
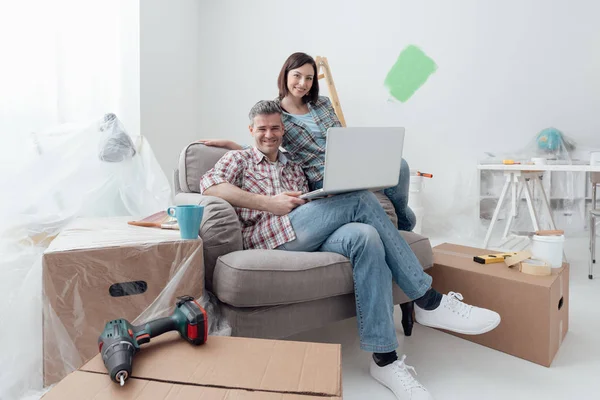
263,186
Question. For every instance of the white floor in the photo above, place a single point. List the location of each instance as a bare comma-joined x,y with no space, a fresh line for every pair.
452,368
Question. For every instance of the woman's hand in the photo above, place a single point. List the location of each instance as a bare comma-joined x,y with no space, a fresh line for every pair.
224,143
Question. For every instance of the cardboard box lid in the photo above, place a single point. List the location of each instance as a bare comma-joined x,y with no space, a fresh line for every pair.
91,233
283,367
83,385
461,257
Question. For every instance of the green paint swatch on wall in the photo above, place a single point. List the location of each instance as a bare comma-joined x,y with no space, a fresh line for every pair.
410,72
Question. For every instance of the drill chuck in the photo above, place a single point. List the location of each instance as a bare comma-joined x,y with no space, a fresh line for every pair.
121,377
118,358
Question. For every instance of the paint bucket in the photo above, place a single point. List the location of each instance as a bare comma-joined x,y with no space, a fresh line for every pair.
419,212
416,184
415,201
549,249
539,160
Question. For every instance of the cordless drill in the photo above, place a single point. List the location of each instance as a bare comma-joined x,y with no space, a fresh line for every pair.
120,340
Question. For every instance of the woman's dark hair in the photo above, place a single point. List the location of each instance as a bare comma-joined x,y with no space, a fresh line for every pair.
294,61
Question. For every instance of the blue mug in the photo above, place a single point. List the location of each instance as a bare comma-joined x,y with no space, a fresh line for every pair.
189,218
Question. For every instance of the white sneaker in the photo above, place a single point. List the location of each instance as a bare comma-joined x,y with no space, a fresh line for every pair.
454,315
397,377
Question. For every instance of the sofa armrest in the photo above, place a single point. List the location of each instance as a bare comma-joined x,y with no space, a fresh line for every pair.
221,231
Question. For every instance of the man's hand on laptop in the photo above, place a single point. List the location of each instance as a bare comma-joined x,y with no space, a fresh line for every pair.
285,202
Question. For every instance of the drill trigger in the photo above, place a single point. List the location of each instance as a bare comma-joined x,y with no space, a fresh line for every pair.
143,338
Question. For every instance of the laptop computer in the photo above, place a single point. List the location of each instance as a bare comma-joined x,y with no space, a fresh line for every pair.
360,158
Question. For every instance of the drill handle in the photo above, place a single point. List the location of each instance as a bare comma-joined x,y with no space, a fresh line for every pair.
160,326
154,328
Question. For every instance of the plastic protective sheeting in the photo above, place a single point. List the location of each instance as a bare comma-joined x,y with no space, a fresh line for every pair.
72,171
477,195
459,222
100,269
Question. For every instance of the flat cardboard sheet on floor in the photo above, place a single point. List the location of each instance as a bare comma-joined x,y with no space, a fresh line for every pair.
534,309
222,368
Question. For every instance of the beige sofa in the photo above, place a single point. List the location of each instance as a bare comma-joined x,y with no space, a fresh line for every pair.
273,293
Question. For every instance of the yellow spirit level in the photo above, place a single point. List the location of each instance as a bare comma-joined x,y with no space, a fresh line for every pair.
492,258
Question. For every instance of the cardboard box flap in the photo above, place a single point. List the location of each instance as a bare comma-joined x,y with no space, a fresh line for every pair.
83,385
242,363
456,256
106,232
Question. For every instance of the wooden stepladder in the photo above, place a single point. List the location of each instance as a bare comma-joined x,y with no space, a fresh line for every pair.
324,71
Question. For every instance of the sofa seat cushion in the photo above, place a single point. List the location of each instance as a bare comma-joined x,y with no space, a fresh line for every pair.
254,278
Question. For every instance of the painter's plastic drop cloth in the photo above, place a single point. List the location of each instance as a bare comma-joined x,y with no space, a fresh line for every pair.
58,177
476,194
459,221
100,269
567,193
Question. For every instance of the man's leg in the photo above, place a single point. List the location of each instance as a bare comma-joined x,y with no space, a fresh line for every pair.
373,296
372,277
325,216
372,284
398,195
375,307
432,308
317,230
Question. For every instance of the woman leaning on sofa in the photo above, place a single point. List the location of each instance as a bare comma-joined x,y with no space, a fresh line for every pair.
306,118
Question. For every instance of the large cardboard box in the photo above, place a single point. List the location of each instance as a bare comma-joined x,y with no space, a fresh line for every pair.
534,309
98,269
231,368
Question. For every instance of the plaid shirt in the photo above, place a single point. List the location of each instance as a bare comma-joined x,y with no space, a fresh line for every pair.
250,170
300,143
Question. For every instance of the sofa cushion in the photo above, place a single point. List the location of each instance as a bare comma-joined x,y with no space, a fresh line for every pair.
253,278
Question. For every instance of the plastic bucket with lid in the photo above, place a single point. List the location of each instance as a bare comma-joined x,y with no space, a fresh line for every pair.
549,249
415,201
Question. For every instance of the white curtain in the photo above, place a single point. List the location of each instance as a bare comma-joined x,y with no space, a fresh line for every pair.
61,62
65,61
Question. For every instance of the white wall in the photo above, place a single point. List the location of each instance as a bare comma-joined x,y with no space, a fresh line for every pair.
170,78
129,40
506,70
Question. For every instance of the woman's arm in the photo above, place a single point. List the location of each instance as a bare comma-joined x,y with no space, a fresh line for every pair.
227,144
332,113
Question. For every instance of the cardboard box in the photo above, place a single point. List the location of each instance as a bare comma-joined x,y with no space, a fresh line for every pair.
223,368
534,309
100,269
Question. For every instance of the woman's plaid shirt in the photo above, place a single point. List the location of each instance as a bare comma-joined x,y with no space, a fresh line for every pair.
300,142
251,171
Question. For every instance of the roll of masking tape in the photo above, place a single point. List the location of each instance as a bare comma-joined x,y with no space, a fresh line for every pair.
534,266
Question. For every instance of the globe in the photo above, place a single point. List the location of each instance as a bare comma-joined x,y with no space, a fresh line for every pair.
549,139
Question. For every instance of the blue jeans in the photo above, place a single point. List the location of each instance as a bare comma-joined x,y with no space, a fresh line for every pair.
355,226
398,195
